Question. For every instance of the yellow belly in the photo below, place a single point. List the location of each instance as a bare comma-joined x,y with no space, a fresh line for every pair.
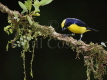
77,29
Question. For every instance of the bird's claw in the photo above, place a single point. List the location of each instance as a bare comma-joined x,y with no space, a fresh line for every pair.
68,35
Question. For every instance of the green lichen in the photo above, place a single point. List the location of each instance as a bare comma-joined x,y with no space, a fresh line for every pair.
26,29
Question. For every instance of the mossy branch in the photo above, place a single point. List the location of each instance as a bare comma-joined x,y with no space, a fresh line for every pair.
80,44
95,56
5,9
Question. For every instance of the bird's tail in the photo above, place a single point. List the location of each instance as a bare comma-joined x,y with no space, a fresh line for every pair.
91,29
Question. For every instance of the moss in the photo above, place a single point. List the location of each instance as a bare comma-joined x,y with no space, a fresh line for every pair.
26,29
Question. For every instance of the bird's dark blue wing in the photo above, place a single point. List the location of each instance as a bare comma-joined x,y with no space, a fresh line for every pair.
80,23
70,21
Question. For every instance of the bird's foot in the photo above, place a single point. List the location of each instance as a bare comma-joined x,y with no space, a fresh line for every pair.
73,34
68,35
79,40
80,37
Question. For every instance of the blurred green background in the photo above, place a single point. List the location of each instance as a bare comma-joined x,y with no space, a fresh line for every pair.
53,61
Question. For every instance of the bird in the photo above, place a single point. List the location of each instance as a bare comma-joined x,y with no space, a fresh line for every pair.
76,26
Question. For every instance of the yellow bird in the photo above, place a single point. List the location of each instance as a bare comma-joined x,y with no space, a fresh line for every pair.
76,26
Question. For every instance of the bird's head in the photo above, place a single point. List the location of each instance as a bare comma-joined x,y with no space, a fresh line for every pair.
63,25
66,23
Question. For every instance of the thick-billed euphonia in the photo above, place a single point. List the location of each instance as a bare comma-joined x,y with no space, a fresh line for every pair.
76,26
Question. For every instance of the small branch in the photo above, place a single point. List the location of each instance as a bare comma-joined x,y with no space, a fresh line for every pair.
5,9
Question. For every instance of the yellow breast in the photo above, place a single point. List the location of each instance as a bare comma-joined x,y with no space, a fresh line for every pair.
77,29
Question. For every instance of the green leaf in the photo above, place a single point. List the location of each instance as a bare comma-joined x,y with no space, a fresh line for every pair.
23,43
7,27
45,2
28,5
17,41
36,14
11,31
36,8
24,37
28,38
19,45
30,21
23,11
37,3
16,15
21,38
22,6
8,32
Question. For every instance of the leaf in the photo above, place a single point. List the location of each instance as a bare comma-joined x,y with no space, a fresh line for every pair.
28,38
23,11
23,43
22,6
8,32
11,31
16,15
36,8
21,38
7,27
45,2
37,3
30,21
19,45
28,5
36,14
17,41
24,37
14,45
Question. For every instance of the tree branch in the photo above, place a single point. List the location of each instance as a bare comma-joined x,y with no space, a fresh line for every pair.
5,9
95,56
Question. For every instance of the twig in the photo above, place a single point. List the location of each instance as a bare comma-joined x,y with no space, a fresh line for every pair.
5,9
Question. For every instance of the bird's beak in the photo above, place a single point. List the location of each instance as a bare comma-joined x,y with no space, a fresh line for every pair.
63,29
